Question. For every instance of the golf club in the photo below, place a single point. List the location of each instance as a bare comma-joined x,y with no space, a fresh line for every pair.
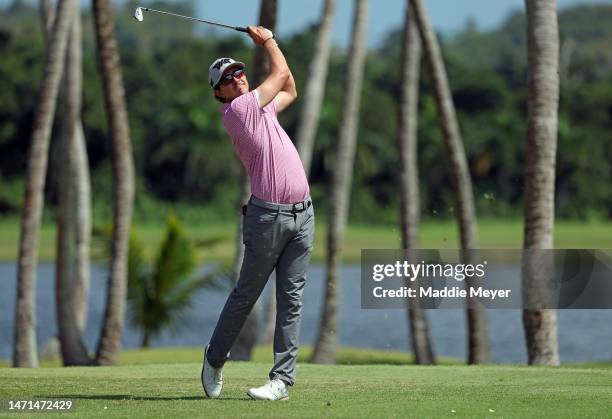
139,16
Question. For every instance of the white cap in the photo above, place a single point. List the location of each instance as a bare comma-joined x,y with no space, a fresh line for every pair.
218,67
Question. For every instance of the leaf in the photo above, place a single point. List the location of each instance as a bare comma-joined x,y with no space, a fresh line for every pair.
175,260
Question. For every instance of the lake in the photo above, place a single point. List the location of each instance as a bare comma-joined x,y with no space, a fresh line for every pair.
584,335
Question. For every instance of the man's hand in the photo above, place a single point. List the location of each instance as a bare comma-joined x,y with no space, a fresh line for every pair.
259,34
279,84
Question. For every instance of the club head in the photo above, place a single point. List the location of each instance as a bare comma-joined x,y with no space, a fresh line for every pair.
138,15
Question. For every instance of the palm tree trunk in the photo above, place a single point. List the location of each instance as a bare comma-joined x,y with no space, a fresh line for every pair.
270,314
123,186
82,212
267,18
47,17
326,343
24,351
540,151
478,342
409,176
247,339
145,339
315,87
80,178
72,347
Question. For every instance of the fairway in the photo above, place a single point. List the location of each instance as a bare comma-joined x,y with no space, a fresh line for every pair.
173,390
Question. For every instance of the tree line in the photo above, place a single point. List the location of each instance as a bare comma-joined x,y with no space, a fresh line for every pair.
182,154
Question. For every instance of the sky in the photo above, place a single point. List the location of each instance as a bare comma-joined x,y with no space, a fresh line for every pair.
448,16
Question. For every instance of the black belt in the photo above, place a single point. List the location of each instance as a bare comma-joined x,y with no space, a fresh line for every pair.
296,207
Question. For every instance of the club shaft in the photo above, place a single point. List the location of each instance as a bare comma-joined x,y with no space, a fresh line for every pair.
195,19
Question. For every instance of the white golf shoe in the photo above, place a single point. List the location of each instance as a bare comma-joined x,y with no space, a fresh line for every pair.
212,378
274,390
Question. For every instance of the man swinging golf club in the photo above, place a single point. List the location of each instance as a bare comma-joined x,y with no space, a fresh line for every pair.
278,221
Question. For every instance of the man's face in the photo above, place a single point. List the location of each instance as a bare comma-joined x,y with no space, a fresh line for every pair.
230,88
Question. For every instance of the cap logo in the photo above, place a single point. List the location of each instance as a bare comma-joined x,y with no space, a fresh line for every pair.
219,63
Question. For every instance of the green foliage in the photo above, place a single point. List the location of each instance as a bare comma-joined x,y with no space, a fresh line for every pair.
11,195
184,158
160,295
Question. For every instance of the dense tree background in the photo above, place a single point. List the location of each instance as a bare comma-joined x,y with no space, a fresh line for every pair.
184,158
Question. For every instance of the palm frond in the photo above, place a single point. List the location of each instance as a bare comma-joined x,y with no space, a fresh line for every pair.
181,297
175,259
160,296
138,281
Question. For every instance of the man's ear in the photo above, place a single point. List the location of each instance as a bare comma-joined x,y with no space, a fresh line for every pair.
217,93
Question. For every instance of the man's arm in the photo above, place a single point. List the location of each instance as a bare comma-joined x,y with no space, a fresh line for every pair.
279,84
287,95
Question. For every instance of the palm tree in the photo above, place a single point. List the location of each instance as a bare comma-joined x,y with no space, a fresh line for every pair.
326,343
80,174
540,150
123,176
159,297
81,185
409,175
246,340
72,347
24,351
315,86
478,342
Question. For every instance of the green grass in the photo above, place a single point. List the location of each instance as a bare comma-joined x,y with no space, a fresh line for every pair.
352,391
345,356
169,355
366,383
494,234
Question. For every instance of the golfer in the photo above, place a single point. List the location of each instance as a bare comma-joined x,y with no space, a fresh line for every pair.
278,222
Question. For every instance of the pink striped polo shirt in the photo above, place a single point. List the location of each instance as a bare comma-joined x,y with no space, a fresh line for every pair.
266,151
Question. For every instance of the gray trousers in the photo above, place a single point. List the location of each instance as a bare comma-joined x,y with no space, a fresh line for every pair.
276,236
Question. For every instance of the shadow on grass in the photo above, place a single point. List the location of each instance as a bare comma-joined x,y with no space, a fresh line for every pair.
127,397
